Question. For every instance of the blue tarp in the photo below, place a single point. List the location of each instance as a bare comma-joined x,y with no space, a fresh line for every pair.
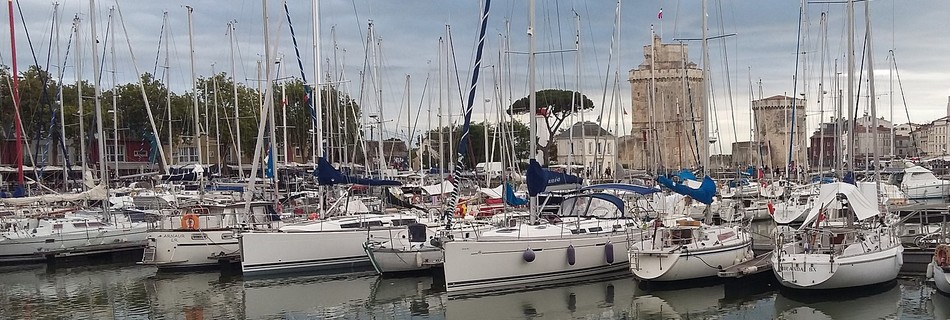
327,175
686,175
704,194
622,187
603,196
511,199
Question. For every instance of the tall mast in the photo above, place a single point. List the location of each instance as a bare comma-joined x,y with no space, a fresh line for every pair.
283,109
103,174
380,156
704,157
440,114
532,106
619,107
217,124
850,105
59,84
317,94
168,99
115,97
269,103
82,116
448,98
874,122
237,108
16,99
194,86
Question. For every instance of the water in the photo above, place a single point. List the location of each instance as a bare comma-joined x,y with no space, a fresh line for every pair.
128,291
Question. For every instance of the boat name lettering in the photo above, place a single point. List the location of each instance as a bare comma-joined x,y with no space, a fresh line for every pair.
799,268
171,235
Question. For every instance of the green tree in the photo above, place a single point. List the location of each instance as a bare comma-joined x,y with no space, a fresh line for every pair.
554,106
475,150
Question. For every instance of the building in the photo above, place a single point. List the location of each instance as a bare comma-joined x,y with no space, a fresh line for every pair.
931,138
776,119
670,127
588,145
750,153
823,146
395,152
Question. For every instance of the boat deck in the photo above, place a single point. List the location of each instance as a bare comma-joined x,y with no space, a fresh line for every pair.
759,264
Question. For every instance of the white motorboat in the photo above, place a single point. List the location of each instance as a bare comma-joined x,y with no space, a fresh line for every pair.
587,238
192,239
332,243
940,268
681,249
29,239
920,184
844,242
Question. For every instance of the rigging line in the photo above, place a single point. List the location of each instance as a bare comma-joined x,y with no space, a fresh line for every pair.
458,81
791,137
308,89
158,52
105,45
560,40
359,28
613,39
900,85
728,78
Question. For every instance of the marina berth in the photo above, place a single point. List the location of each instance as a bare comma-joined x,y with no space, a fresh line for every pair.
940,268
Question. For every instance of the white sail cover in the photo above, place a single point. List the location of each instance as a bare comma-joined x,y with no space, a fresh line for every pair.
863,207
98,192
437,189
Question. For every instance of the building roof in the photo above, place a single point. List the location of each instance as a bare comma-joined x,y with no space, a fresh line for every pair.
586,129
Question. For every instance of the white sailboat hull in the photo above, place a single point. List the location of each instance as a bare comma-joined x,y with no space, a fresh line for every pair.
655,265
941,278
275,252
474,265
181,249
32,249
392,260
820,271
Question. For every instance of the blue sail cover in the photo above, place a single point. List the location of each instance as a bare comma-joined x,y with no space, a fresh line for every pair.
704,194
327,175
511,199
539,178
686,175
643,190
536,180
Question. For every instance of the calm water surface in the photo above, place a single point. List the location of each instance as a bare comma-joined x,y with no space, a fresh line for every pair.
124,291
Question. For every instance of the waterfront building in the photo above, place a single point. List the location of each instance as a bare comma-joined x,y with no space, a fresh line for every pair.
589,145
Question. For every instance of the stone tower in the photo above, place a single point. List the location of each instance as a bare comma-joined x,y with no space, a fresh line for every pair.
668,132
774,124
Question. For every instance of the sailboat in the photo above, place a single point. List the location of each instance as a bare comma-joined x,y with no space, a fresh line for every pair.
586,238
846,240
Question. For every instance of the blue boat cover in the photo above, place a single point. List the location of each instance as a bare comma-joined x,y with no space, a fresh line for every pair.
622,187
686,175
327,175
571,202
511,199
536,180
539,179
704,194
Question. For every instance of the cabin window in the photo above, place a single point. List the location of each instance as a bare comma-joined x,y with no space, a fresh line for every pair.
57,226
596,229
227,236
402,222
79,225
199,236
350,225
94,224
368,224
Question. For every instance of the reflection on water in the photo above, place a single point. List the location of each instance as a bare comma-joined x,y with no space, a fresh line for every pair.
125,291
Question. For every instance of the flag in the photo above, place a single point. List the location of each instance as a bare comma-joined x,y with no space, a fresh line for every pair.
659,15
771,208
269,171
624,111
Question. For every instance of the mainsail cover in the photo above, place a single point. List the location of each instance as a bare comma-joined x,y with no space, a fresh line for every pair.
327,175
98,192
539,179
703,194
511,199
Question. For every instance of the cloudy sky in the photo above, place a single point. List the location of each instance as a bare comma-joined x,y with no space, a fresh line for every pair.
409,31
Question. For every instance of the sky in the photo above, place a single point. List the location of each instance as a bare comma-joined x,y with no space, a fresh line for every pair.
408,32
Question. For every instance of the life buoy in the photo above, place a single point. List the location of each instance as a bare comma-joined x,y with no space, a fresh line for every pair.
189,221
940,256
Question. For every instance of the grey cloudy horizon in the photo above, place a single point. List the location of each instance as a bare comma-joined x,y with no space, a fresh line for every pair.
764,48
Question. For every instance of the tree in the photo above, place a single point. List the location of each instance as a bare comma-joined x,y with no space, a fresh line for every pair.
554,106
475,152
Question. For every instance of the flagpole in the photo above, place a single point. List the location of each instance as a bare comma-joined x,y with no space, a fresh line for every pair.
659,16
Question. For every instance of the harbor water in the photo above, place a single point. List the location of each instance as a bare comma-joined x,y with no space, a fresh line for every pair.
129,291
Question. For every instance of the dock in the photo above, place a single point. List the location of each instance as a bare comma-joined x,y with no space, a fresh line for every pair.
759,264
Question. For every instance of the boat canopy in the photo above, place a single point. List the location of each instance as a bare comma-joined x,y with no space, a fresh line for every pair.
643,190
862,207
599,205
703,194
437,189
539,178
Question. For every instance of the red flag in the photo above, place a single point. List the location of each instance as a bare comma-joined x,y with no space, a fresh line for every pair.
625,111
659,15
771,209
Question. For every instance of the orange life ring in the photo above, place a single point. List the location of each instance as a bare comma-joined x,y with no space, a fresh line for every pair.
941,256
189,221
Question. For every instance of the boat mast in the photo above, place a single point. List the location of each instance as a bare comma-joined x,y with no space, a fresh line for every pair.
532,107
115,97
704,158
237,108
103,174
194,86
874,121
217,124
16,99
59,84
82,116
168,100
850,105
317,98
